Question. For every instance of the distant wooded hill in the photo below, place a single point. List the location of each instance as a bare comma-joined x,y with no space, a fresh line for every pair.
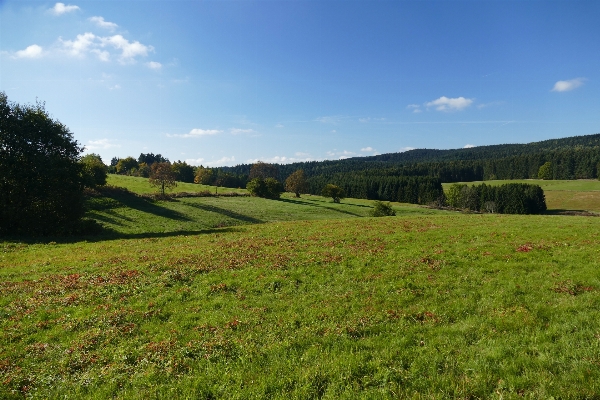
574,157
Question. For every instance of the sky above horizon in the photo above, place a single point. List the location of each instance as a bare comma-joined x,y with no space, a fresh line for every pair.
219,83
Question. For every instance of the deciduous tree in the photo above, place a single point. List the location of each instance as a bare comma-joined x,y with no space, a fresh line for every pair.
296,183
162,176
333,191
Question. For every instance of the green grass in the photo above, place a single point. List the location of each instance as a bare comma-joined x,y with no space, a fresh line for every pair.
440,306
241,297
561,195
141,185
133,216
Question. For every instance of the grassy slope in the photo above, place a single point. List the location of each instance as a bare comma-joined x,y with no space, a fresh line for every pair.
576,195
135,216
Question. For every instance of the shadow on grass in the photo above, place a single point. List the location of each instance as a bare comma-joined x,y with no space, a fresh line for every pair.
582,213
309,203
108,234
227,213
132,200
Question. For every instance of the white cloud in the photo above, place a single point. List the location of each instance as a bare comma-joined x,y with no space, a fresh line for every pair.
61,8
111,26
450,104
333,131
279,126
154,65
129,50
565,86
469,146
301,154
279,160
238,131
101,144
408,148
90,43
363,120
194,161
33,51
116,87
79,46
197,133
221,162
367,149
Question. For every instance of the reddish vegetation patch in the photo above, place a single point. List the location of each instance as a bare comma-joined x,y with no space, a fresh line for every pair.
525,248
571,288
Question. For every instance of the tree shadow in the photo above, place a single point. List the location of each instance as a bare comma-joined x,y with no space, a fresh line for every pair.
132,200
109,234
308,203
227,213
581,213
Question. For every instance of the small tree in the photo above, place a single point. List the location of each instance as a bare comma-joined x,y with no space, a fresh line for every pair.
162,176
545,171
126,165
333,191
381,209
184,171
204,176
296,183
94,171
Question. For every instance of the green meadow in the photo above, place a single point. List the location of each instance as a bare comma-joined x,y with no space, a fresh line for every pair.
240,297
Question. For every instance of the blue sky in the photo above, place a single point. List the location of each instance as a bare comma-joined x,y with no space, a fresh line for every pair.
229,82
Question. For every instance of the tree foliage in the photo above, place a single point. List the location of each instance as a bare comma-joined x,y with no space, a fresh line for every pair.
264,171
162,176
204,176
40,176
510,198
94,170
296,183
333,191
381,209
545,171
184,171
269,188
127,166
151,158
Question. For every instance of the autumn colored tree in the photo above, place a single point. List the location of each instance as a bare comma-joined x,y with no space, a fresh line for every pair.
204,176
296,183
162,176
263,170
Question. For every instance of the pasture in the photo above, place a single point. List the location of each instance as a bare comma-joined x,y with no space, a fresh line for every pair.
238,297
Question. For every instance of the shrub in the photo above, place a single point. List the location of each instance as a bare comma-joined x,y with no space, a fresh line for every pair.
269,188
381,209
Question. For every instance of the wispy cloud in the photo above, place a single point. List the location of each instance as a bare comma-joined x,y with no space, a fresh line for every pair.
450,104
341,155
403,149
101,144
239,131
279,126
368,149
194,133
99,21
221,162
416,108
331,119
565,86
33,51
469,146
61,8
154,65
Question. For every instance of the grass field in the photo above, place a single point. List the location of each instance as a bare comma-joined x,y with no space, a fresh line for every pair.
576,195
302,300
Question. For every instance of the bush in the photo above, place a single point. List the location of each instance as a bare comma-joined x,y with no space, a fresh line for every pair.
382,210
333,191
269,188
510,198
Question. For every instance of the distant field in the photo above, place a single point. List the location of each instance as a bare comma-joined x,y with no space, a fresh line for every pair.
141,185
576,195
132,215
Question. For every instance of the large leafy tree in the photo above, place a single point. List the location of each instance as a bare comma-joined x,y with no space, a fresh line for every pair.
296,183
41,181
333,191
94,170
